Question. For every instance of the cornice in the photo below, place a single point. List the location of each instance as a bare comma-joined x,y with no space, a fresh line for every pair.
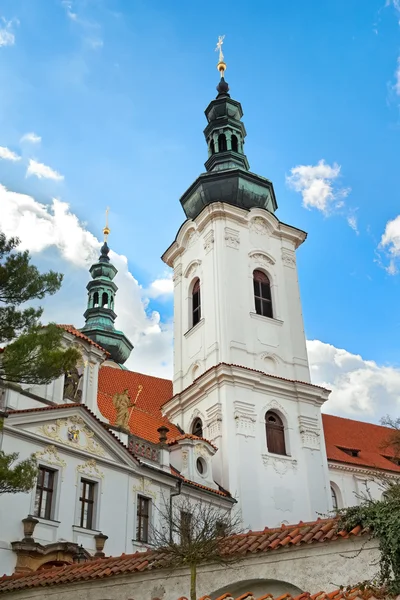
361,470
221,210
245,377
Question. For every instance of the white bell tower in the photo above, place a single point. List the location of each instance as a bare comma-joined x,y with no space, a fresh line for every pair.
241,374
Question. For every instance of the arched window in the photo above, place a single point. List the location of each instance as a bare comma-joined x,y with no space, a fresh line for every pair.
197,428
222,147
104,300
95,299
212,147
262,294
335,503
275,433
234,143
196,303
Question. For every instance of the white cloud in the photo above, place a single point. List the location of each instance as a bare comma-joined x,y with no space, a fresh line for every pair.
7,154
360,388
390,243
161,287
317,185
352,221
7,37
67,4
42,171
397,78
42,227
31,137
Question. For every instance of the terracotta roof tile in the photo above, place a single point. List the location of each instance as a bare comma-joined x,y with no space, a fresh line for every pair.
71,329
189,436
371,441
246,543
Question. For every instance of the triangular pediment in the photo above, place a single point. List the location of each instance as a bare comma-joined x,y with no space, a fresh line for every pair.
72,428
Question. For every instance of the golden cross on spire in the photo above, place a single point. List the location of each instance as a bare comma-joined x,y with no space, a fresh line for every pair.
106,229
221,66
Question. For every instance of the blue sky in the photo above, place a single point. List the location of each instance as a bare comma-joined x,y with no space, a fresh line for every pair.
116,91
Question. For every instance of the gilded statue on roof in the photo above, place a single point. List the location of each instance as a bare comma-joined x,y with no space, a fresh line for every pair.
122,403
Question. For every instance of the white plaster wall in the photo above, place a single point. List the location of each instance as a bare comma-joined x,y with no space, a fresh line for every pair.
271,489
350,483
222,247
116,504
313,568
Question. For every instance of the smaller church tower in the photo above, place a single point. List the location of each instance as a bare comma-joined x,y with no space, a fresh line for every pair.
100,315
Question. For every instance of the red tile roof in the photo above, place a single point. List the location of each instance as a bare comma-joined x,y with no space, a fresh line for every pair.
322,530
189,436
371,441
354,594
220,491
71,329
146,415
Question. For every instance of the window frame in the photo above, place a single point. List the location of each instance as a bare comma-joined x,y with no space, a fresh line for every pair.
262,298
195,312
198,421
91,501
51,494
276,442
143,518
334,498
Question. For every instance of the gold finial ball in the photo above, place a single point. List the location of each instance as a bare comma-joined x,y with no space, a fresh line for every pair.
106,230
221,66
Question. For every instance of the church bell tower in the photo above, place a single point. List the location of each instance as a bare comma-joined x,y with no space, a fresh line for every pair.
99,315
241,373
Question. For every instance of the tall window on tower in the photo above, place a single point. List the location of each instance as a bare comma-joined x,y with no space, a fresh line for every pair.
234,143
197,428
262,294
196,303
275,432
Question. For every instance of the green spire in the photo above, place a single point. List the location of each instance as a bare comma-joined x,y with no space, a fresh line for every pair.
100,315
227,178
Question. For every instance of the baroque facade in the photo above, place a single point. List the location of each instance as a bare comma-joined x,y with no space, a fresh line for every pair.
239,426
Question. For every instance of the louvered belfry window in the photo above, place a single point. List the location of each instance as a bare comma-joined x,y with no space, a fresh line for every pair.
275,432
262,294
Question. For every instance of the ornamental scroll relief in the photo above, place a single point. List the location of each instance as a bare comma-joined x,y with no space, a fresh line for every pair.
50,455
280,465
209,241
73,432
90,469
232,239
289,258
144,487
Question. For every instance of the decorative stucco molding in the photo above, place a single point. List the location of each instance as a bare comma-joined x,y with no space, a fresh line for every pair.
192,268
232,238
280,464
260,226
177,275
73,432
50,455
90,468
288,258
309,431
191,238
245,418
262,258
209,241
144,487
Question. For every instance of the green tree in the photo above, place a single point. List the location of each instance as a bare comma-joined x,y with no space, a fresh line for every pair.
381,518
34,354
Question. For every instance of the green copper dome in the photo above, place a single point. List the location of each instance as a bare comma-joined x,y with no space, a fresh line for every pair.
100,315
227,178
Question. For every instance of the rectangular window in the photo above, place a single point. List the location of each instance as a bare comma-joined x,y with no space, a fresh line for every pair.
44,493
185,526
86,503
142,519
